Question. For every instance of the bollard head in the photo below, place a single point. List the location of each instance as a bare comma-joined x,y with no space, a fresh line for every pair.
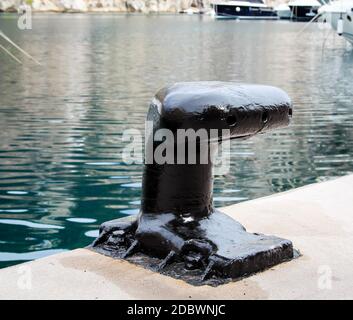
244,109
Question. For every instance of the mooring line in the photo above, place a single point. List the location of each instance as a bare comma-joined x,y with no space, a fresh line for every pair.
309,23
18,48
10,54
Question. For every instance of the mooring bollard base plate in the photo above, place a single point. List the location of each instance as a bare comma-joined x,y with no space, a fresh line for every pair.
223,251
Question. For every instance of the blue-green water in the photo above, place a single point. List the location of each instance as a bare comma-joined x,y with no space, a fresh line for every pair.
61,172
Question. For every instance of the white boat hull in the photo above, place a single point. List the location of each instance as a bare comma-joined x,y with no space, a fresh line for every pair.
243,10
347,33
246,18
284,14
283,11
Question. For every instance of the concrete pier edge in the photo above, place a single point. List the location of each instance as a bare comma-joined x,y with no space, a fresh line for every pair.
318,218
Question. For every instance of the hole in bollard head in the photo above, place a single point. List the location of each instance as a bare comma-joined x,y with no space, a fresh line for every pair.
231,120
290,112
264,117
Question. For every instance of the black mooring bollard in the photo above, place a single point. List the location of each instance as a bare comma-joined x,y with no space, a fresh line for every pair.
177,224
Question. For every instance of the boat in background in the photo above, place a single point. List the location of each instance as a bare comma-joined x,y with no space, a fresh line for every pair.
283,11
304,10
340,15
250,9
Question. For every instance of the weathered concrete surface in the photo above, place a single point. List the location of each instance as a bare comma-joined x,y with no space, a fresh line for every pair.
317,218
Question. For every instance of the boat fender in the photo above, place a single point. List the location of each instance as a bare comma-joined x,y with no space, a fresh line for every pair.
340,27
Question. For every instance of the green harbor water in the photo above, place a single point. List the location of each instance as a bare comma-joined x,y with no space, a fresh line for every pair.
61,171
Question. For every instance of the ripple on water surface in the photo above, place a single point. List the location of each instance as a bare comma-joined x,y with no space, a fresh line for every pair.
61,170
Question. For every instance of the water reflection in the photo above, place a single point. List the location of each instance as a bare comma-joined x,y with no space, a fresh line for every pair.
60,143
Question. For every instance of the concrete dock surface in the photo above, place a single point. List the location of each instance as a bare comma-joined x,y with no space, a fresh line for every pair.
317,218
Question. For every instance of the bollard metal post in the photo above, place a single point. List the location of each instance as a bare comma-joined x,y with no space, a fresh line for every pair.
178,231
